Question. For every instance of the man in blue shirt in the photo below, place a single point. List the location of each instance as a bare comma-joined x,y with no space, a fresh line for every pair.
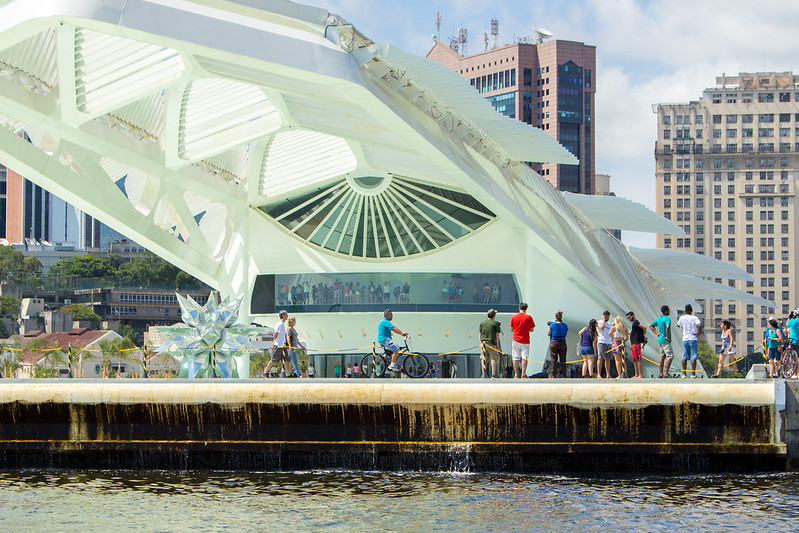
793,326
384,329
662,328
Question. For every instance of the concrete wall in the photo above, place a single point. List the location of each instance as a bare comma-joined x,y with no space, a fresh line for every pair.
580,427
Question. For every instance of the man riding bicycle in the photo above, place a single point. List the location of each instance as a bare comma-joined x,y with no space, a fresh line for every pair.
384,330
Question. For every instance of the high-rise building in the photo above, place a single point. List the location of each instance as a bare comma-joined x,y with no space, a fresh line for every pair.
550,85
726,172
29,213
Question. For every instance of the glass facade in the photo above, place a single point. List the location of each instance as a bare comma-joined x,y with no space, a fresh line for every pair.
504,103
570,93
374,292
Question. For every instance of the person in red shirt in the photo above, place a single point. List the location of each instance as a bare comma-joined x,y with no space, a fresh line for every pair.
522,326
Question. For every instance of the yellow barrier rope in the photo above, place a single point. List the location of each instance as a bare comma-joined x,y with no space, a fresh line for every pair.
374,346
528,360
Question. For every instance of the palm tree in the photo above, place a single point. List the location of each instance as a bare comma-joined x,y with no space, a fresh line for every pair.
119,349
55,355
37,347
11,359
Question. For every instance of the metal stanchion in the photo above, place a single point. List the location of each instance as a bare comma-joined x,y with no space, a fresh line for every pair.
374,372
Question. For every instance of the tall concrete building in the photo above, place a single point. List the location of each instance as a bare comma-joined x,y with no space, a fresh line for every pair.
29,213
550,85
726,171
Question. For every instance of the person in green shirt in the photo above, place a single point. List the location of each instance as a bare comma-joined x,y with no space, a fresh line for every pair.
662,328
489,341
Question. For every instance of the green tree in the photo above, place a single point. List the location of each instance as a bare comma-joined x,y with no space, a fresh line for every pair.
31,265
36,348
11,261
82,312
43,371
14,265
707,358
11,357
9,306
84,266
115,260
149,269
125,330
119,349
55,355
258,360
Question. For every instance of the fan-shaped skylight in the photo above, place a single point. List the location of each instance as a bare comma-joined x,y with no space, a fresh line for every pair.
379,216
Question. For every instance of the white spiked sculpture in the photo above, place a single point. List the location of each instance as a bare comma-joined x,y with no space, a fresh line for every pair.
208,342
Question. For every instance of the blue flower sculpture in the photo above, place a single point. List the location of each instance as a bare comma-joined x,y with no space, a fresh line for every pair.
208,342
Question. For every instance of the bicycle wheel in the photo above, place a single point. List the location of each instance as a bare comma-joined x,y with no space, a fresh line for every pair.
416,365
380,365
789,362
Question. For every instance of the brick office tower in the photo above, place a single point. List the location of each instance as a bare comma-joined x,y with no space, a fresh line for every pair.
726,171
550,85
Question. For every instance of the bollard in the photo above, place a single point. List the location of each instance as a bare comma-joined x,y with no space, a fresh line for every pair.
374,373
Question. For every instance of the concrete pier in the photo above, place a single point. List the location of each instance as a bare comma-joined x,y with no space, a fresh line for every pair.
563,426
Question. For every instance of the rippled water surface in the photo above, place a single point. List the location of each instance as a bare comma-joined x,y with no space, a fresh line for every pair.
379,501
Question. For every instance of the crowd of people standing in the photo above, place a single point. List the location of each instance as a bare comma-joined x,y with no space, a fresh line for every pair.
601,347
338,292
602,344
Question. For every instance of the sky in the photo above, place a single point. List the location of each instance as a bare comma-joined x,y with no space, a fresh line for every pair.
648,52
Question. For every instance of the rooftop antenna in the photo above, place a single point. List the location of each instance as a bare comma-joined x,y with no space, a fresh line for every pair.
485,41
462,39
541,34
494,33
439,18
453,43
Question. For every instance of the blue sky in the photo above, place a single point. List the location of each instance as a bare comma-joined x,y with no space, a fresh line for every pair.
647,52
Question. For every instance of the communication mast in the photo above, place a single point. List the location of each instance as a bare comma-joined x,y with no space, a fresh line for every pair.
494,33
453,43
439,18
462,40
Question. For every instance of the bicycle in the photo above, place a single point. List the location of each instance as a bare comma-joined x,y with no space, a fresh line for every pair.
414,365
789,360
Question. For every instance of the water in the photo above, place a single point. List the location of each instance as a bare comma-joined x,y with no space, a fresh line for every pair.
383,501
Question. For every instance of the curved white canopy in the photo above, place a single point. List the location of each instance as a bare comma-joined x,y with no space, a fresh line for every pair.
615,212
669,261
238,138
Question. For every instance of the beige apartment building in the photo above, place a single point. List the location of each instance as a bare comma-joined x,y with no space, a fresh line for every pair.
550,85
726,172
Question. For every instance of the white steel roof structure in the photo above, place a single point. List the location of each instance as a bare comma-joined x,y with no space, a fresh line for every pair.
237,138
